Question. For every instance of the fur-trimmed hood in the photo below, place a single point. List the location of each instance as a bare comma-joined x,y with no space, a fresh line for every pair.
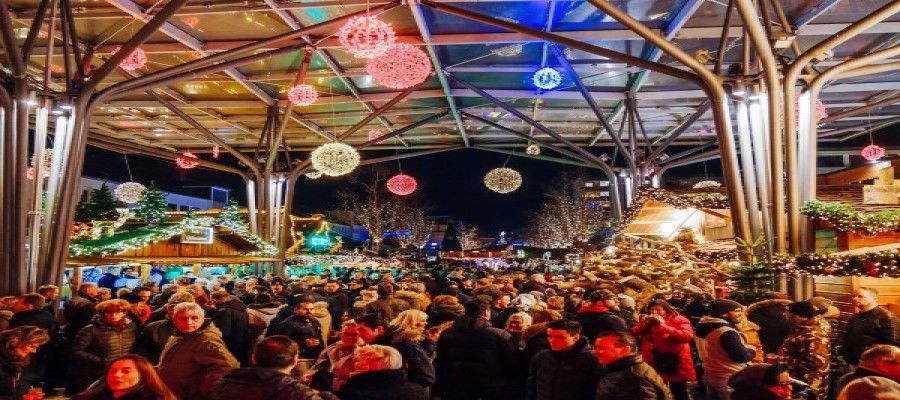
399,335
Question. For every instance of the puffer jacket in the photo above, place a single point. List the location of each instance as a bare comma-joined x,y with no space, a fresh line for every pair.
564,375
773,326
473,354
674,336
261,384
95,346
415,360
192,362
630,378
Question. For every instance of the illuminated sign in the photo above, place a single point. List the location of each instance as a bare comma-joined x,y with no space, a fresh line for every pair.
197,235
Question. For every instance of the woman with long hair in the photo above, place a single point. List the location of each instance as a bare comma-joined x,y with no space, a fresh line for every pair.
665,344
130,377
16,347
110,335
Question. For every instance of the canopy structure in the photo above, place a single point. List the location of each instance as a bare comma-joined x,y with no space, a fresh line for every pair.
657,83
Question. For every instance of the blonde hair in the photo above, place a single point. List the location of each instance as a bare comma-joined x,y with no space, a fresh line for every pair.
387,357
409,319
111,306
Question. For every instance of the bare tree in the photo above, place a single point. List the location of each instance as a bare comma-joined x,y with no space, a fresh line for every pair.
370,205
566,216
412,217
468,237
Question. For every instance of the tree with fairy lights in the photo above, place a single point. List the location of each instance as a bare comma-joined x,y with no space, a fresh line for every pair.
568,214
152,206
368,203
99,206
468,237
750,282
230,215
412,219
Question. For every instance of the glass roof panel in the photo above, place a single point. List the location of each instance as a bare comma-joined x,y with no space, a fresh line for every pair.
529,13
581,15
231,26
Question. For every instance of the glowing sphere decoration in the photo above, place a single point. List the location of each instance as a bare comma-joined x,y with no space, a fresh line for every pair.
303,95
366,37
509,51
503,180
533,149
130,192
375,134
136,60
187,161
335,159
215,151
314,174
401,184
546,78
401,66
873,152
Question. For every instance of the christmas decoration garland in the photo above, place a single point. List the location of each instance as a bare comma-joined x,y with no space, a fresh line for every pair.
882,264
710,200
845,219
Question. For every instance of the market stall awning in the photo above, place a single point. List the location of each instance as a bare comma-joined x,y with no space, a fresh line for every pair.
212,260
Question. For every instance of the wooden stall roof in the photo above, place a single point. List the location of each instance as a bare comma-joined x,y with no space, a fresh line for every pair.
851,195
89,260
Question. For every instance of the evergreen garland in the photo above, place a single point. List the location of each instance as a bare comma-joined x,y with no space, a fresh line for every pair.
99,206
845,219
230,215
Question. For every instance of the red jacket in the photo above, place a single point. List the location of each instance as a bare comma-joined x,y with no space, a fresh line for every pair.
672,337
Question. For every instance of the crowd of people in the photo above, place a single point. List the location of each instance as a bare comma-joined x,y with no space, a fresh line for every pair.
455,334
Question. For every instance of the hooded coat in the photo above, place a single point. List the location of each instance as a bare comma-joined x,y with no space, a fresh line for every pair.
261,384
673,336
474,355
564,375
192,362
773,326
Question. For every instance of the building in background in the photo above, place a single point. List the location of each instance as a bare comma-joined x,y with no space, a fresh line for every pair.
194,198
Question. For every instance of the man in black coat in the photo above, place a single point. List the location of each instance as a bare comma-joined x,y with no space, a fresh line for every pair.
270,379
566,371
304,329
870,326
232,319
80,309
600,315
378,375
626,376
474,359
337,303
373,330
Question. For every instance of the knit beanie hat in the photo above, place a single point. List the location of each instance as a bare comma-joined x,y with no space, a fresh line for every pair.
721,306
802,308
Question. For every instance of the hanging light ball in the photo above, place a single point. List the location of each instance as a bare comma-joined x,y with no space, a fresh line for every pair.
366,37
130,192
215,152
402,185
503,180
187,161
508,51
533,149
546,78
303,95
400,67
375,134
335,159
136,60
314,174
873,152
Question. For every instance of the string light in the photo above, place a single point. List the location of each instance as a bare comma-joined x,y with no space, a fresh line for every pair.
401,184
130,192
303,95
136,60
401,66
335,159
546,78
503,180
187,161
707,184
366,37
845,219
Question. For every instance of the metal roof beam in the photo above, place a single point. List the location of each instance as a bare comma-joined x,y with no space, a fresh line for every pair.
815,13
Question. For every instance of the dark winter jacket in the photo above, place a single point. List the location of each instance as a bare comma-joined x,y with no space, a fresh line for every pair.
232,319
415,359
78,313
857,373
388,307
748,384
282,314
94,348
865,329
337,305
153,339
260,384
475,355
674,336
390,384
299,328
630,378
596,318
41,319
192,362
9,375
564,375
773,326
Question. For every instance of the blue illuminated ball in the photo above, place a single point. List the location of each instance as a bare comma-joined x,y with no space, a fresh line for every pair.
546,78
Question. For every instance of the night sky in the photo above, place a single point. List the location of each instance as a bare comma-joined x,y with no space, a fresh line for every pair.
451,182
